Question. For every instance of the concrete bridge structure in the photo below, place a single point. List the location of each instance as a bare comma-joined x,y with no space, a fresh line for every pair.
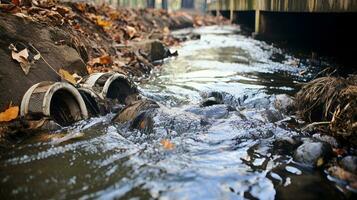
324,25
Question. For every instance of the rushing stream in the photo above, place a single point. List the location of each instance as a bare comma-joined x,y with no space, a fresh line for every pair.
225,151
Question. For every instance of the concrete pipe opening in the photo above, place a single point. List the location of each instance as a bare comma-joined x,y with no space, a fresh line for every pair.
58,101
111,85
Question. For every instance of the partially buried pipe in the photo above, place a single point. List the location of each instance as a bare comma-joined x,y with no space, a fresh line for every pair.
57,101
113,86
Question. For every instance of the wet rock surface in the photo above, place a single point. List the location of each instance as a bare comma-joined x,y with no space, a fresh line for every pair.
349,163
313,154
284,103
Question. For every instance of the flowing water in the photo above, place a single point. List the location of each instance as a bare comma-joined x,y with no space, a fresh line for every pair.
225,151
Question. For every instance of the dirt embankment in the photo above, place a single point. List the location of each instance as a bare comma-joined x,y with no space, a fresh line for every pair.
81,39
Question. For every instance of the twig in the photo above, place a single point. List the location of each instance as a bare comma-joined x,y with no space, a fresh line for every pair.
314,124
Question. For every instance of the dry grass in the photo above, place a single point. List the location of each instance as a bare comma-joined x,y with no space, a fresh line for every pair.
317,99
331,99
344,120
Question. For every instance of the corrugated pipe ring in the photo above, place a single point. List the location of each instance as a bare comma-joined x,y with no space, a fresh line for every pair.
40,101
110,78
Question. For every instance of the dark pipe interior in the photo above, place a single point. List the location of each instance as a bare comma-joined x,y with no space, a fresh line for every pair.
91,103
64,108
120,89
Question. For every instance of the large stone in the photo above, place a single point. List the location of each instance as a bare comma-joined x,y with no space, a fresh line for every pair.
350,163
154,49
283,103
313,154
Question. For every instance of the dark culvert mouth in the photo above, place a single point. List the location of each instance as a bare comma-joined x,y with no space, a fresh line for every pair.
111,86
64,108
57,101
120,89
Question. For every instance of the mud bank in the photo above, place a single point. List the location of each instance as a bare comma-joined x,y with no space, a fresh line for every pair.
80,39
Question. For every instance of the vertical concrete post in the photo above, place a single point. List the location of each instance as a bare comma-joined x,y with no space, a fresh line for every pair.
257,18
231,10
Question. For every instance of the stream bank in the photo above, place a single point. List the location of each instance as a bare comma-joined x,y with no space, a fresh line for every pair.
73,40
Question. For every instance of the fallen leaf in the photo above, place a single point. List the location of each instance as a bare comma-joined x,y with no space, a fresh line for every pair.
9,114
81,6
61,10
339,151
10,8
103,60
103,23
67,76
22,58
114,15
16,2
89,69
320,162
131,31
35,124
167,144
106,59
342,174
166,31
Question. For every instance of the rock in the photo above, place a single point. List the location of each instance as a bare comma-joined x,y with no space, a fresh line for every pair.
210,101
283,103
133,110
272,115
148,116
350,163
153,49
185,34
213,98
214,111
181,21
313,154
285,145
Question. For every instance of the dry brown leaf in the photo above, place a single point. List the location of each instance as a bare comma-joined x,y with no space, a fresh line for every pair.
9,114
61,10
114,15
166,31
131,31
10,8
22,58
103,60
81,6
89,69
16,2
167,144
67,76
